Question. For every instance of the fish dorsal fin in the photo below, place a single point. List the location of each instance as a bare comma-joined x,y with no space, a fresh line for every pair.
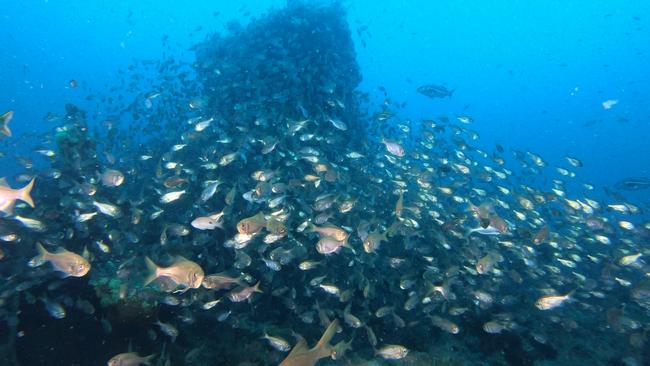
323,348
260,217
3,182
59,250
86,253
299,348
179,259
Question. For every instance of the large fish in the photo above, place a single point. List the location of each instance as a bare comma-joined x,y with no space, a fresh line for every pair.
435,91
183,272
300,355
69,263
633,184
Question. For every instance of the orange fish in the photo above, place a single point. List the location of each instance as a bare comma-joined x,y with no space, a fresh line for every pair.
71,264
331,231
300,355
550,302
393,147
243,293
183,272
541,235
130,359
251,225
329,245
8,196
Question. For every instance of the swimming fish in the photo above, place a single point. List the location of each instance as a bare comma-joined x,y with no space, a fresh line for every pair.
243,293
331,231
633,184
112,178
252,225
277,342
392,352
168,329
393,147
550,302
435,91
130,359
69,263
300,355
210,222
183,272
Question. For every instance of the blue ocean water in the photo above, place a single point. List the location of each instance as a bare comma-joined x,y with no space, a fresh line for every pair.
533,76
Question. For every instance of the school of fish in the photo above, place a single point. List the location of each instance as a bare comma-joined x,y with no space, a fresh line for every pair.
281,202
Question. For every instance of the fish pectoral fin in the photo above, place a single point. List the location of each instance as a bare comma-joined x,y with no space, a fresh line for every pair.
63,275
181,290
40,258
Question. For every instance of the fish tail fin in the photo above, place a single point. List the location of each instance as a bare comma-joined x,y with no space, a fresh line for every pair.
451,92
24,193
40,258
147,360
256,288
569,296
4,129
323,348
4,123
392,230
153,271
346,244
